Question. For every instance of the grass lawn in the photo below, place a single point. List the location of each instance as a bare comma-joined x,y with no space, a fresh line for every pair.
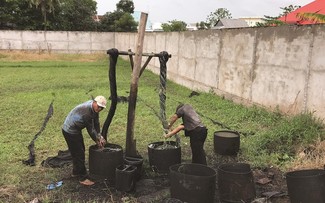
29,83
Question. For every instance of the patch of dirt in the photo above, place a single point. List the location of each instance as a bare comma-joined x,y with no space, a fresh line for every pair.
270,184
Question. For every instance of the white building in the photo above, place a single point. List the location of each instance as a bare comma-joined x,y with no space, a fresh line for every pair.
252,21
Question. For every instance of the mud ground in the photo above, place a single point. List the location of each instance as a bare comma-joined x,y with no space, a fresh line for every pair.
270,186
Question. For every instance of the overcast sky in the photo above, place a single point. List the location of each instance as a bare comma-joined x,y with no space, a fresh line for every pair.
192,11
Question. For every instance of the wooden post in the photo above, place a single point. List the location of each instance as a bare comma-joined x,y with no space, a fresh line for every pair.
130,149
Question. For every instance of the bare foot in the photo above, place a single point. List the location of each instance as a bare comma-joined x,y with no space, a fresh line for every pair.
87,182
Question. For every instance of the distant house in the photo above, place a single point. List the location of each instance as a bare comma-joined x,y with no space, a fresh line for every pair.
97,18
191,26
317,6
252,21
156,27
230,23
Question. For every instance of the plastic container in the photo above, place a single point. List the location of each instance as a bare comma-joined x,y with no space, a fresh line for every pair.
160,158
226,142
103,163
135,161
306,186
192,183
125,178
236,183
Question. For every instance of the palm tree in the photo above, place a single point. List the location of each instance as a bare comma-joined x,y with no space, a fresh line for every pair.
47,6
314,17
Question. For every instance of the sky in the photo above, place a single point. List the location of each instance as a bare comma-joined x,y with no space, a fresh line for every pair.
193,11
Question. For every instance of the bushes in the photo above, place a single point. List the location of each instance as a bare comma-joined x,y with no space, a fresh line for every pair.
280,142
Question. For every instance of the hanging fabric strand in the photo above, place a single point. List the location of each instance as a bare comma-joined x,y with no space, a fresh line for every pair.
31,159
163,58
113,53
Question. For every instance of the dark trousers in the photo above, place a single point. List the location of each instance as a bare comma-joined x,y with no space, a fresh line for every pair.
76,147
197,139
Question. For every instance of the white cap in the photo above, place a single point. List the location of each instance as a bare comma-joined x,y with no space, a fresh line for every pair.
101,101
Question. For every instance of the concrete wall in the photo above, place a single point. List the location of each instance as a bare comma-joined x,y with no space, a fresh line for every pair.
68,42
276,67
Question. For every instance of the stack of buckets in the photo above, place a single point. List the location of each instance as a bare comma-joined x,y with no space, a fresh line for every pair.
235,180
128,173
109,164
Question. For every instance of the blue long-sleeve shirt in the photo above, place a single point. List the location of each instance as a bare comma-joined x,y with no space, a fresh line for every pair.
82,116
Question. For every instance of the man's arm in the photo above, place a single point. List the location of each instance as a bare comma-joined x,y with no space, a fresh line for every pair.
92,133
175,131
172,120
93,129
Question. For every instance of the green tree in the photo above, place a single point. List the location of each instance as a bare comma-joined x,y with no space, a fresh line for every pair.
218,14
126,23
273,21
288,9
7,9
107,23
270,21
174,26
125,6
46,6
17,14
76,15
68,15
314,17
120,20
202,25
65,15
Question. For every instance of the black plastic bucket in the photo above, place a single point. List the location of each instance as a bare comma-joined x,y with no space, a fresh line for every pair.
135,161
103,163
306,186
160,158
125,177
192,183
236,183
226,142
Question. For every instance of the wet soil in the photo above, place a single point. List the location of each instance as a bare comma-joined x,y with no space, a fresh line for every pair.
270,186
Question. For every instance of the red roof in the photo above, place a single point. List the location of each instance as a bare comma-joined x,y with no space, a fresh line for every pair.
317,6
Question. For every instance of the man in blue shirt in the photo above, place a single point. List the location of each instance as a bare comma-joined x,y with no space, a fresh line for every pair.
85,115
193,127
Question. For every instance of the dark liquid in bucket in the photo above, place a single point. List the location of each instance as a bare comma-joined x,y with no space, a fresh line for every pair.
163,154
103,162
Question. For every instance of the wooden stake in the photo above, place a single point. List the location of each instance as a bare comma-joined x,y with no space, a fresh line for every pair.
130,149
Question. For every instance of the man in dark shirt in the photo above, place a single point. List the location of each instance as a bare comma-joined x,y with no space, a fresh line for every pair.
84,115
193,128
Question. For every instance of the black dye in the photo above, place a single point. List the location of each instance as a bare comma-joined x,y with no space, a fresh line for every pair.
110,149
31,160
113,54
164,146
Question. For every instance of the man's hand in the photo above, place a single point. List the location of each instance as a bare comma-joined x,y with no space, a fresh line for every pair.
167,135
166,131
100,141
